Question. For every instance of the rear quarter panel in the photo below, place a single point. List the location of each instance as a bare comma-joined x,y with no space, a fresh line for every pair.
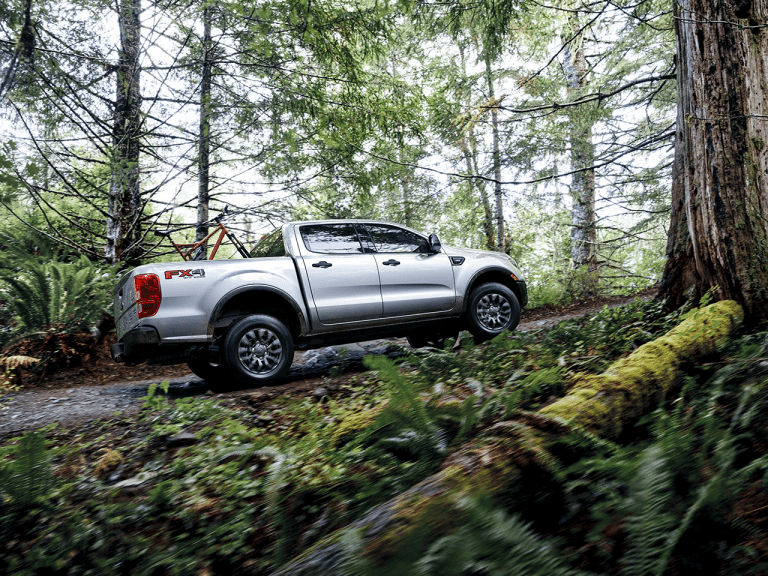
191,291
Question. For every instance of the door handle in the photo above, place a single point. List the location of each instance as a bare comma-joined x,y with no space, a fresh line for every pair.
391,263
322,264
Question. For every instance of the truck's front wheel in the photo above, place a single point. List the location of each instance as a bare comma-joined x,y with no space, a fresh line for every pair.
258,350
492,308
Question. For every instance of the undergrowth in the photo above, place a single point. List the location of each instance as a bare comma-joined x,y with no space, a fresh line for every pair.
195,486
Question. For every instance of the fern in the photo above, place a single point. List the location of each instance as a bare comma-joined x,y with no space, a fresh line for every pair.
407,426
45,294
13,362
649,523
27,478
652,537
492,542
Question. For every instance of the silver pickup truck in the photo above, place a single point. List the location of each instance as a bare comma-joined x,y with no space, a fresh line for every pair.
322,283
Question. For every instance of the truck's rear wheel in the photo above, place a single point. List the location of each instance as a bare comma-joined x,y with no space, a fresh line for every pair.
492,308
431,339
258,350
203,368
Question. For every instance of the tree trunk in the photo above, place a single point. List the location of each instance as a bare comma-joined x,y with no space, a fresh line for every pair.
124,205
718,231
471,159
500,241
204,146
583,236
468,146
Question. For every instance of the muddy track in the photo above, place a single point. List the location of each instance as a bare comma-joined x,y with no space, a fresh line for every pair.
38,407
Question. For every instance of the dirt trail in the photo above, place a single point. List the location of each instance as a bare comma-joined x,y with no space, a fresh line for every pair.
68,406
102,389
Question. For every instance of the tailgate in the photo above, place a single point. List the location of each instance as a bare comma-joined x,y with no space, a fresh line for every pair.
124,305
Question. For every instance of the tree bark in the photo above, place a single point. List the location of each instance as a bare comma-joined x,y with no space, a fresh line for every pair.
718,233
583,234
124,206
204,145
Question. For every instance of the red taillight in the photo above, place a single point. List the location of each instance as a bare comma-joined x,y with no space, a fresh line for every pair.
148,294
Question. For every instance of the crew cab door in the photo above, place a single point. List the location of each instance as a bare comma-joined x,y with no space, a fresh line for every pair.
414,280
343,280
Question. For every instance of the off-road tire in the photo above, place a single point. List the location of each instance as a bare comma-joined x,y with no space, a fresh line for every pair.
491,309
258,350
203,368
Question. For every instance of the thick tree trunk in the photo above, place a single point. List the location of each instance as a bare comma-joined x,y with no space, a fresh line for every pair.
583,235
204,146
124,205
718,233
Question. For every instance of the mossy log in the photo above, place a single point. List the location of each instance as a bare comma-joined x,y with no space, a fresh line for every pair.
517,462
604,403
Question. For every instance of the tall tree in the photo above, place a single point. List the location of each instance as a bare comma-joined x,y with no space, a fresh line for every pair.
719,229
493,103
204,145
582,149
124,209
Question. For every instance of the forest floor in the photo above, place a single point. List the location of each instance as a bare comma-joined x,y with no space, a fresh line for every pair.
199,468
91,386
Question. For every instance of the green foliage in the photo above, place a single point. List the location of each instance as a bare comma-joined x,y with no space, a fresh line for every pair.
25,472
492,542
45,294
650,521
151,400
257,486
488,541
407,427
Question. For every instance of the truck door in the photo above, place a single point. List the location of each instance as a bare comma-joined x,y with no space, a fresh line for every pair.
343,280
413,279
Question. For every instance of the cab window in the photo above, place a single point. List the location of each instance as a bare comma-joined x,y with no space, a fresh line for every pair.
269,246
331,238
393,239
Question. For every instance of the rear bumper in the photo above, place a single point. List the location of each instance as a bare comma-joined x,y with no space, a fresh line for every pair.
136,345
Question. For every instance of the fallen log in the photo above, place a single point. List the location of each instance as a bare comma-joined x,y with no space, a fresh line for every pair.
516,462
632,386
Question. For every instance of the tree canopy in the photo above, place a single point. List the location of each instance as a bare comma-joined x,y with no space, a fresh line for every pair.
477,120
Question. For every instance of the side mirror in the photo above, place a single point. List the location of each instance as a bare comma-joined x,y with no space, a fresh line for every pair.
434,243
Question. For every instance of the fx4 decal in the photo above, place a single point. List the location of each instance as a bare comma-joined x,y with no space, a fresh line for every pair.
198,273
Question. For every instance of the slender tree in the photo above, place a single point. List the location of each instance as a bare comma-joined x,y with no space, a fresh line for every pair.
493,102
125,207
582,150
204,146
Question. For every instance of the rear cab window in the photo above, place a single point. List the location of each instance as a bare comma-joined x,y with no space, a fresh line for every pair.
270,246
331,238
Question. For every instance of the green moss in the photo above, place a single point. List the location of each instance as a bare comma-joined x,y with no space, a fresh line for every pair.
421,520
633,385
354,424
